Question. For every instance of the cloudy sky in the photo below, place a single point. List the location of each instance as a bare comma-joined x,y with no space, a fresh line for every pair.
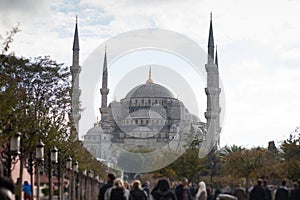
258,47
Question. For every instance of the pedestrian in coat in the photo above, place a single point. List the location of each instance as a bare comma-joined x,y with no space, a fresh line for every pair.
282,192
258,192
110,179
201,194
137,193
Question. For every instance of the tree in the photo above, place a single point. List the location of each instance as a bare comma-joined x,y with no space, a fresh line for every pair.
291,155
35,99
253,163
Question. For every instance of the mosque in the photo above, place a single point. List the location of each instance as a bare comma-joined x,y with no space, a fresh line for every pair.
149,117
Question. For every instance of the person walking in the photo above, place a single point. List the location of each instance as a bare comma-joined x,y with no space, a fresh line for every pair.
282,192
201,194
295,193
267,191
162,191
258,192
117,192
239,192
146,187
182,191
26,188
137,193
110,180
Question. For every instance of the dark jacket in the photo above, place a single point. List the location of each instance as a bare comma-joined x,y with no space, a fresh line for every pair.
117,194
295,194
179,192
138,194
268,193
282,194
103,189
257,193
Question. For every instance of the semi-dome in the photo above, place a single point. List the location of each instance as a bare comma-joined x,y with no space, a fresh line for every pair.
96,130
150,90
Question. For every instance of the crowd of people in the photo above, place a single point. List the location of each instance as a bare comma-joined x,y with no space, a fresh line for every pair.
117,189
261,191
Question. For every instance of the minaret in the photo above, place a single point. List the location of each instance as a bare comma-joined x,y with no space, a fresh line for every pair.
104,91
211,47
212,91
75,71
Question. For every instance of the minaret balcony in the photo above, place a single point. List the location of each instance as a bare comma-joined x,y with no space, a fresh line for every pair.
212,91
211,115
104,91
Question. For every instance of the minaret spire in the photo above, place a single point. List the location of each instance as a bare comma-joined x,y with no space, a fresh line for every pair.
216,59
211,42
76,38
104,90
149,78
75,71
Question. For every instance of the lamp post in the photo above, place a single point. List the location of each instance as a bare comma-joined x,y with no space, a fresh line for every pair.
30,171
83,185
75,180
58,176
52,159
69,168
39,156
91,177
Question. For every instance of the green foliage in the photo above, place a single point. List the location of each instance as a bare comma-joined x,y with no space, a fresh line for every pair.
291,155
34,98
45,191
187,165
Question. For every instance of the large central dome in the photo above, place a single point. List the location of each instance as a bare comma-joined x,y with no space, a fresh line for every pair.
149,90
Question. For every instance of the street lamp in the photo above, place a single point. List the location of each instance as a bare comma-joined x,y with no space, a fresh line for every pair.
52,159
39,151
15,144
75,166
54,155
39,156
69,163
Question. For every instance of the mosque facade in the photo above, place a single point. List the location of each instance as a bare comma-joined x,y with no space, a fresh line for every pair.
149,117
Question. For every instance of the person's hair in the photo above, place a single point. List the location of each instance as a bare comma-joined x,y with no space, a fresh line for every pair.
295,184
7,183
283,183
163,185
185,180
111,176
7,188
119,183
136,184
259,181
